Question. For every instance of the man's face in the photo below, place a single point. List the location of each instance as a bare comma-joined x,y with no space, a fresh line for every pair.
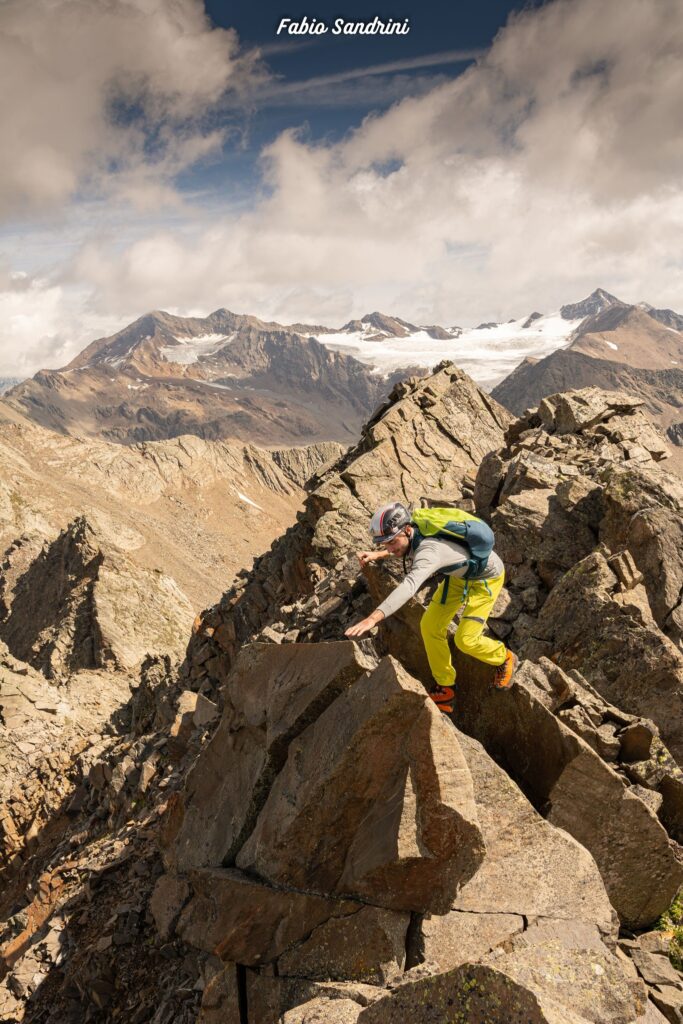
398,545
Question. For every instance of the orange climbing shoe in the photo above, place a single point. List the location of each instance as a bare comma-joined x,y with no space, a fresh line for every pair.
502,679
443,698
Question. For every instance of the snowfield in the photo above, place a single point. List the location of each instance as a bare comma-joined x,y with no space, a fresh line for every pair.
487,354
189,350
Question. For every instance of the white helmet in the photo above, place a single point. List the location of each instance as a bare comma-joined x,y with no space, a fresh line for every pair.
388,521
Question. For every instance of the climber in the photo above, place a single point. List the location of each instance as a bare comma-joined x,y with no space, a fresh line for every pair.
473,581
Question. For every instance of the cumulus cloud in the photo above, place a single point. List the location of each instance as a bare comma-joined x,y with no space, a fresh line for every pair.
98,95
549,167
43,325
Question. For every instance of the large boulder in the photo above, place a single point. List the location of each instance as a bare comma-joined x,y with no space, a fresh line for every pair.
375,800
272,695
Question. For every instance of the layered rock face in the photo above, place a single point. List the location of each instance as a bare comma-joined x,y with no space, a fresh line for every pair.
340,845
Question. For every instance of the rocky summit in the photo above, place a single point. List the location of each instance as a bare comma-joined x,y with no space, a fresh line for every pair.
282,828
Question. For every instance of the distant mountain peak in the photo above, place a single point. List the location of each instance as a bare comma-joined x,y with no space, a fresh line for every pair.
596,302
389,324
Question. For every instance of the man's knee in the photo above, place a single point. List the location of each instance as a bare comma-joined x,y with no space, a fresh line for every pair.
426,627
460,641
466,637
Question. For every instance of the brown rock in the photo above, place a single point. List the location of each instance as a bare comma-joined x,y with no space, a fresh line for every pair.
367,946
271,695
636,741
168,899
375,800
220,1001
205,711
250,923
183,725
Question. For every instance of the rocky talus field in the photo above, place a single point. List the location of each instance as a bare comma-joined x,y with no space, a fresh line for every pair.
259,821
193,510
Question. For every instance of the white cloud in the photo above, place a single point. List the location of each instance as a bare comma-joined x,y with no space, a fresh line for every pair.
103,95
548,168
43,325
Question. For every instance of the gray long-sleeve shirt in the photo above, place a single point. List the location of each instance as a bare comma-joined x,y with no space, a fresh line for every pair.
432,556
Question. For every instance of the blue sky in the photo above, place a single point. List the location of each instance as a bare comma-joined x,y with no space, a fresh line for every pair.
341,78
498,159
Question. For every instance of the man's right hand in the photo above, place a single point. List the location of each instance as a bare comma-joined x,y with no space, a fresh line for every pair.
365,557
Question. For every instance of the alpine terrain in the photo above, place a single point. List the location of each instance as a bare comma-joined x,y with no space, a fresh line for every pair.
224,377
275,824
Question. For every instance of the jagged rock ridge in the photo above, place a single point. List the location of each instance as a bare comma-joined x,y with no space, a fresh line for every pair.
81,604
583,732
331,788
618,347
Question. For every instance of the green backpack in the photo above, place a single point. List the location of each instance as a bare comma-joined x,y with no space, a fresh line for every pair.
454,524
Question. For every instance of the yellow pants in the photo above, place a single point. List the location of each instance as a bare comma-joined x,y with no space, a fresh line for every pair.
469,636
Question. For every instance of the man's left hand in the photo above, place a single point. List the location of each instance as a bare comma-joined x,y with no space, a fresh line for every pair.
364,625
